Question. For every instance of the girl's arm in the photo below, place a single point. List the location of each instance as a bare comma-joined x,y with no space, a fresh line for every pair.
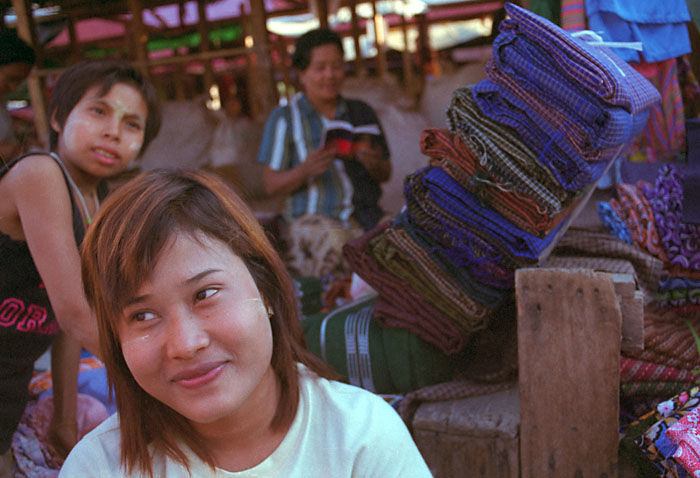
41,197
65,361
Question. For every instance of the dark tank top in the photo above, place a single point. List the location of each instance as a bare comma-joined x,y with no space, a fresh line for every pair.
27,321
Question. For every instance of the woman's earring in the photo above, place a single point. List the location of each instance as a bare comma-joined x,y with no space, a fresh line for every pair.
270,312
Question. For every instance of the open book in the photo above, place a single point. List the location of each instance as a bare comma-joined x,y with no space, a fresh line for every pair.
348,139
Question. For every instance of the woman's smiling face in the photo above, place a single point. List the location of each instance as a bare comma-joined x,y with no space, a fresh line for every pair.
197,336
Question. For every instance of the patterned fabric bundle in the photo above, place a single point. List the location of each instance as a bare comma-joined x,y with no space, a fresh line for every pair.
681,241
464,312
466,278
678,291
612,220
461,215
504,154
397,304
448,151
570,169
668,340
632,370
646,445
592,68
634,209
686,435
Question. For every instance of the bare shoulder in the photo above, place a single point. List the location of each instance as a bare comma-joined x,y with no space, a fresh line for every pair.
35,168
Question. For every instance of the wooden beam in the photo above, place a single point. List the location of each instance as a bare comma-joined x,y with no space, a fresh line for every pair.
26,30
360,69
204,47
379,42
264,93
569,326
139,36
322,12
407,64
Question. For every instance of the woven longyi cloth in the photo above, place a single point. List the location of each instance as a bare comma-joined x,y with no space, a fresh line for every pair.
668,340
397,305
536,69
468,315
499,148
593,68
633,208
633,370
680,240
652,389
600,244
460,213
571,170
447,150
466,274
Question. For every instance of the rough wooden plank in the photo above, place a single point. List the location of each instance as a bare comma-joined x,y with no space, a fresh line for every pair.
633,322
569,326
470,437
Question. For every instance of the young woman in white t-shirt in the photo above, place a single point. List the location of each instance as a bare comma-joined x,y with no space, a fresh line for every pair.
202,342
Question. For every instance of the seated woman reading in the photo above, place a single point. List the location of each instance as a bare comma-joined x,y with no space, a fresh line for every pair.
202,343
313,175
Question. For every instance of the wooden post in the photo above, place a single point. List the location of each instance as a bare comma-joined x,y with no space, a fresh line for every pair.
569,326
35,84
75,47
322,12
204,45
407,64
379,42
140,36
264,93
423,47
282,52
360,69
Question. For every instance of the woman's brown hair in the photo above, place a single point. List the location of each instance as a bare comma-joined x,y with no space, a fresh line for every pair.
119,253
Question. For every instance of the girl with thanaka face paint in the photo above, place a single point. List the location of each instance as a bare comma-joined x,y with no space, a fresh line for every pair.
102,115
202,342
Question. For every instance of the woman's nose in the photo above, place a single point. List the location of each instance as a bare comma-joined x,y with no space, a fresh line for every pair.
186,335
111,128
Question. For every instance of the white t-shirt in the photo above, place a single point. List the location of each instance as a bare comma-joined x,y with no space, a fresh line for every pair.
340,431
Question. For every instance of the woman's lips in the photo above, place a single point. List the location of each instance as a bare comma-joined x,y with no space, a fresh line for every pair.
199,376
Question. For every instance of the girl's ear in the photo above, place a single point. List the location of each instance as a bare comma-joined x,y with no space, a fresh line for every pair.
54,123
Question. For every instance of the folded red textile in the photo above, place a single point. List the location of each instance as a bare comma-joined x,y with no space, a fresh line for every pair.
443,146
397,304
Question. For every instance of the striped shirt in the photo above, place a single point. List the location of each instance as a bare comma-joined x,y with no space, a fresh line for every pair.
345,189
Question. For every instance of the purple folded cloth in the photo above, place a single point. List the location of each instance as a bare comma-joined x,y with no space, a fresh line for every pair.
536,69
570,169
593,68
464,214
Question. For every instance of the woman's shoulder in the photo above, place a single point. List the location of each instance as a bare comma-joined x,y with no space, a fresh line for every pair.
35,167
98,453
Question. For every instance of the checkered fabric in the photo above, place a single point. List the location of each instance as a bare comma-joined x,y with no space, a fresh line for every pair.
397,305
448,151
434,187
594,68
570,169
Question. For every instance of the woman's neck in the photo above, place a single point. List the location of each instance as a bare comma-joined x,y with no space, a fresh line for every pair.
245,439
325,108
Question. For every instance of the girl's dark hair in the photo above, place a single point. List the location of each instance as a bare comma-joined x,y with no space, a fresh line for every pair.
119,252
77,79
310,40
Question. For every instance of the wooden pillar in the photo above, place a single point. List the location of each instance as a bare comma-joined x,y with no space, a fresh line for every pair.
140,36
282,52
407,64
204,46
264,92
360,69
423,46
322,12
569,325
75,48
26,29
379,42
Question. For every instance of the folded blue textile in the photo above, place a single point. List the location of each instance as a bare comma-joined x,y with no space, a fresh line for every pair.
660,26
546,140
464,214
536,70
594,68
462,268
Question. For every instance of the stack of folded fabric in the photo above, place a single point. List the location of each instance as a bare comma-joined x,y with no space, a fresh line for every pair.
522,149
